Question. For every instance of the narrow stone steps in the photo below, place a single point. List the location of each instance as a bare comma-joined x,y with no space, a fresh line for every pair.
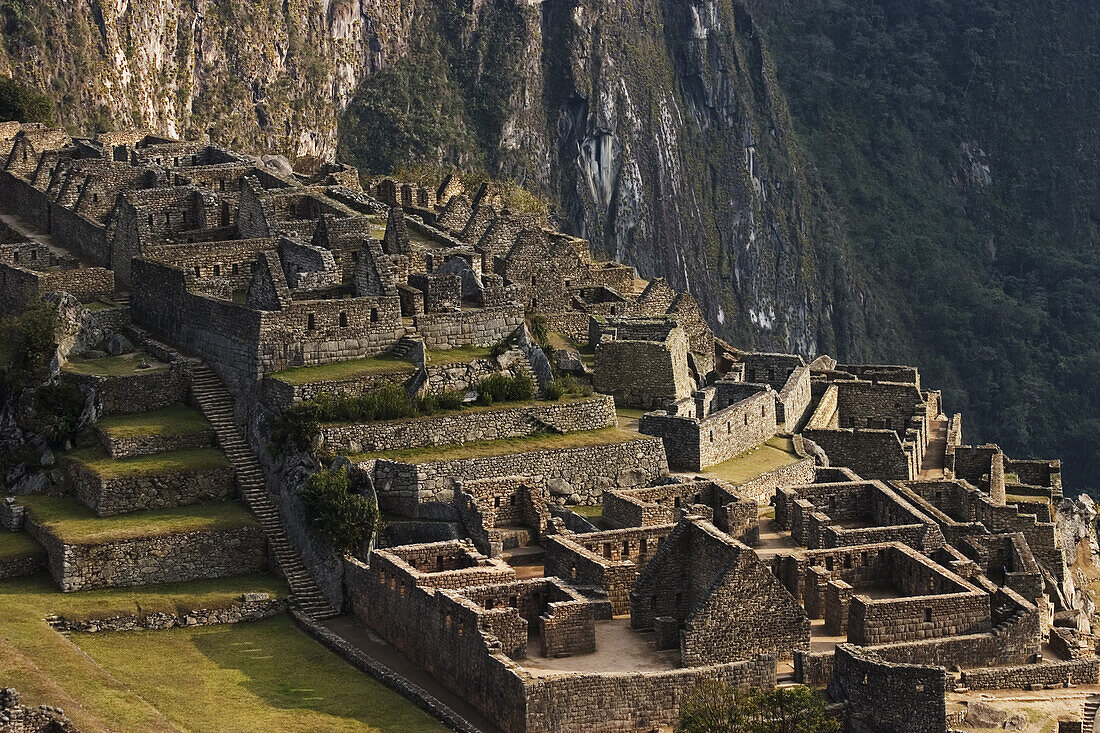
216,405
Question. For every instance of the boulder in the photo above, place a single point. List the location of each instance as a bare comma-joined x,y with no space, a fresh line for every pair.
569,361
94,354
119,344
982,715
559,487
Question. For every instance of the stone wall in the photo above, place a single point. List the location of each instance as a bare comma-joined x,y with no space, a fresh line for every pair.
143,445
108,496
609,560
251,607
477,327
573,475
1060,674
138,392
472,425
149,560
644,374
693,443
18,566
870,453
873,622
883,696
762,488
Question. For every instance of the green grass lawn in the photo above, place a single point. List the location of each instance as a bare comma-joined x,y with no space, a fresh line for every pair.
561,341
263,676
340,370
774,453
474,407
18,544
505,447
115,366
177,419
74,523
99,305
591,512
176,461
461,355
260,676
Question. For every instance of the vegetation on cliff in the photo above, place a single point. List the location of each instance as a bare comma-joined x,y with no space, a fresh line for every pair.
956,146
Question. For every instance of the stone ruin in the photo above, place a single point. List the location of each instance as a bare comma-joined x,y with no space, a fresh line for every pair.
862,547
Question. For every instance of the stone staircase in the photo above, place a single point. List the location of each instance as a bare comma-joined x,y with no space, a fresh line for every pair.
403,346
1092,708
216,405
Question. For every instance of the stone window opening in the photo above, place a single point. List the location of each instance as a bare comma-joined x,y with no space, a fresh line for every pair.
168,217
198,271
712,436
15,257
626,547
847,561
221,185
374,315
829,563
679,598
95,198
919,687
217,270
175,162
763,410
865,679
653,601
729,428
401,590
496,502
343,319
447,622
512,500
534,280
746,419
150,220
607,550
354,256
642,544
311,322
234,269
928,615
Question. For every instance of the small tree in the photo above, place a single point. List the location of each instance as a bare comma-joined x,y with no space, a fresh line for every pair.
348,520
716,707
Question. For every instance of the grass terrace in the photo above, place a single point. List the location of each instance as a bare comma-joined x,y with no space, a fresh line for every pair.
776,452
587,353
275,676
178,419
460,355
177,461
341,370
115,366
73,523
586,511
258,676
505,446
15,545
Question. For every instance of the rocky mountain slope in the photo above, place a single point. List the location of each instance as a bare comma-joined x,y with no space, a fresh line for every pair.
888,180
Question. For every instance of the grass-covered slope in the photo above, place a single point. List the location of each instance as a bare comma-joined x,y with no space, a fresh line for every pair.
990,283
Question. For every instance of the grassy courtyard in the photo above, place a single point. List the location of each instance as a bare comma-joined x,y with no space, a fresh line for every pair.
505,446
773,454
178,419
72,522
115,366
343,370
177,461
263,676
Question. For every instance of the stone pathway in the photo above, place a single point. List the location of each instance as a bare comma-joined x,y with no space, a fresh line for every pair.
216,404
931,468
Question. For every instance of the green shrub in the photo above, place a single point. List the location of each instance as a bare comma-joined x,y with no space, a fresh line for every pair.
23,103
57,409
451,399
29,339
499,349
572,385
716,707
540,329
346,519
555,391
502,388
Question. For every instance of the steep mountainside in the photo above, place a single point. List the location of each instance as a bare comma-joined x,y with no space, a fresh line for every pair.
887,180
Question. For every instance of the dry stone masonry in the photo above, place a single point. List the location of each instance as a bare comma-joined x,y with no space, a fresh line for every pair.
576,561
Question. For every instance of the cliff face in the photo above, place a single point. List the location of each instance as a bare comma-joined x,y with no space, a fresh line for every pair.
269,75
